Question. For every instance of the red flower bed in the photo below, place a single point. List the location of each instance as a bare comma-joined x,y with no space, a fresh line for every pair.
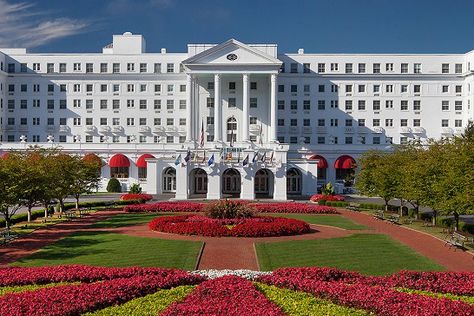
320,197
246,227
293,207
459,283
165,207
78,299
287,207
229,295
11,276
377,299
136,196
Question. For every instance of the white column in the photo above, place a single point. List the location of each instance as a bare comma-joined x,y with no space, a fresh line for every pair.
189,108
217,107
245,108
273,83
196,114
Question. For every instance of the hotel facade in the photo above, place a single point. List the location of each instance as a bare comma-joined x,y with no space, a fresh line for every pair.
231,119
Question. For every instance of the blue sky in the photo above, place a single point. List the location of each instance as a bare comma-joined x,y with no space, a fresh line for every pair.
319,26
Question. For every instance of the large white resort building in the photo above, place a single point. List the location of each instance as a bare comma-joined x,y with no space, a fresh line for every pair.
231,119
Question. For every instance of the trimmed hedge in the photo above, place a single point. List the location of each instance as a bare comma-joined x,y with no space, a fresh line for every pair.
335,203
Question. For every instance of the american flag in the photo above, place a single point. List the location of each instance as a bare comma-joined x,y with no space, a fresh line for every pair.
201,142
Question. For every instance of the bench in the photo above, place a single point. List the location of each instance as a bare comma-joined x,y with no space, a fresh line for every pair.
394,218
353,207
70,214
408,221
379,215
6,235
456,239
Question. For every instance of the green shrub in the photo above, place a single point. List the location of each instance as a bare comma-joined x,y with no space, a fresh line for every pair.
466,227
228,209
426,216
135,188
337,203
322,202
114,186
444,221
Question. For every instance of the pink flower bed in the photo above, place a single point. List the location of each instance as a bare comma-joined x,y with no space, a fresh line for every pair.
380,300
248,227
136,196
320,197
78,299
11,276
287,207
459,283
229,295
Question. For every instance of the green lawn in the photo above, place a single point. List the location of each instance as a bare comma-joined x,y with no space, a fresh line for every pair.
328,220
371,254
108,249
126,219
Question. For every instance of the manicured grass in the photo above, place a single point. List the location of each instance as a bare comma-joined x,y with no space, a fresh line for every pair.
371,254
122,220
108,249
328,220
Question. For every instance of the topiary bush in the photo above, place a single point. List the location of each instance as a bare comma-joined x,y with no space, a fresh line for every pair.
225,209
114,186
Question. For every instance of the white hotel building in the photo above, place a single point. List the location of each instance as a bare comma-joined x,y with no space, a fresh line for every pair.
302,119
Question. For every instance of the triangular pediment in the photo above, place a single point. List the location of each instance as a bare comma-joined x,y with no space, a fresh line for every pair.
232,52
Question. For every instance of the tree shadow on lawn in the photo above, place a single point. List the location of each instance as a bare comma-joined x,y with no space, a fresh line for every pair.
129,219
68,248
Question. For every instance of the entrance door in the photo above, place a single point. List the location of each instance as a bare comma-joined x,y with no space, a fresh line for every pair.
261,182
169,180
200,182
231,182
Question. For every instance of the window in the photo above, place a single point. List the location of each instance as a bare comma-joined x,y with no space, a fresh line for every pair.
321,140
103,88
294,105
293,140
321,68
334,88
103,104
375,122
306,122
169,68
417,88
457,123
130,104
445,68
182,104
253,85
76,87
210,120
457,105
76,121
36,67
416,122
210,102
36,103
376,68
334,67
444,105
89,121
404,88
458,68
334,103
404,68
130,67
103,67
253,120
417,68
348,68
62,104
157,104
389,104
115,68
89,87
348,105
445,89
293,67
376,105
361,122
50,104
143,88
348,88
157,121
130,88
348,122
281,104
76,66
334,122
293,122
321,88
182,88
458,89
281,88
157,68
361,68
376,140
306,105
49,67
389,122
231,103
23,104
294,88
416,105
282,68
348,140
404,105
389,88
306,88
321,122
36,88
361,105
253,102
103,121
143,67
306,68
444,123
403,122
115,104
11,104
170,104
361,88
130,121
321,104
231,85
389,67
142,121
89,67
23,67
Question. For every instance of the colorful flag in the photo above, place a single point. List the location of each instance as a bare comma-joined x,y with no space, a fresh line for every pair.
188,156
231,138
260,136
238,158
178,160
204,157
201,143
246,161
210,162
264,156
271,157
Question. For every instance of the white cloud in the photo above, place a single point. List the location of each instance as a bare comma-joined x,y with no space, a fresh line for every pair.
22,25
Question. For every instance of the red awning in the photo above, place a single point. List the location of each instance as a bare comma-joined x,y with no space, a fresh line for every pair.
322,163
119,161
93,158
141,163
344,162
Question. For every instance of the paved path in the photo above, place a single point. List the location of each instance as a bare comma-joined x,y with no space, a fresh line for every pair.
451,258
40,238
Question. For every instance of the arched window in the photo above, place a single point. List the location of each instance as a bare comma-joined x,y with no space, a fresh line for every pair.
119,166
231,129
169,180
293,181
